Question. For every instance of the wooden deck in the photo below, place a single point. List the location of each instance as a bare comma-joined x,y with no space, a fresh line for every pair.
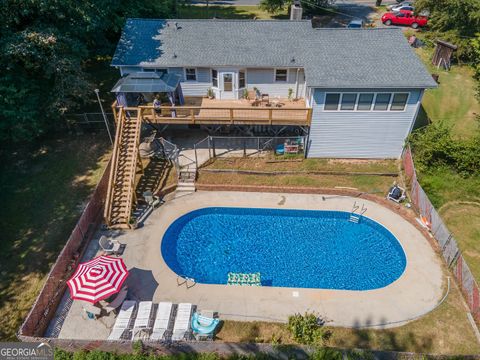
228,112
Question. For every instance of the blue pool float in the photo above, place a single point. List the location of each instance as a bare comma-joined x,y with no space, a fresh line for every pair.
203,325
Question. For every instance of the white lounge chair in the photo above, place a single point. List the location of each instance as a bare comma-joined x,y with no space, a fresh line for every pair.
164,312
142,320
110,246
182,321
123,320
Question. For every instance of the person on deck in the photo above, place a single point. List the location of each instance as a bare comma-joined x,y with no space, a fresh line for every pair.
157,104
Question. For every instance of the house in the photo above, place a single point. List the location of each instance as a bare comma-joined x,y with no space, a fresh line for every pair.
364,86
351,93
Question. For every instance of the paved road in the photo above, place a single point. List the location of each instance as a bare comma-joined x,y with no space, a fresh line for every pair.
340,3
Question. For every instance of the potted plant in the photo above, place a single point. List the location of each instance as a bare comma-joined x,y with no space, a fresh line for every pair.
290,94
210,93
245,93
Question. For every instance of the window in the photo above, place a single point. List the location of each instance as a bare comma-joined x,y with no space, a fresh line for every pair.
365,101
381,102
399,102
154,70
215,78
348,102
241,79
281,75
331,101
191,74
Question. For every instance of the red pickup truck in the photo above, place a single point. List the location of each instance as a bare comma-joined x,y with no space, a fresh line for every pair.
404,17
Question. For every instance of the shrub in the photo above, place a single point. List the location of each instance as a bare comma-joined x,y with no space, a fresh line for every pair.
436,148
307,329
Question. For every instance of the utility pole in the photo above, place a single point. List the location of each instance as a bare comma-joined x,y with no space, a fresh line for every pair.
104,116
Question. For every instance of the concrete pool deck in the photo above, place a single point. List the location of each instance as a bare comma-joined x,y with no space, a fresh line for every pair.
415,293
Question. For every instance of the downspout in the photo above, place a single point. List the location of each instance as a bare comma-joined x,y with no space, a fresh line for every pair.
296,83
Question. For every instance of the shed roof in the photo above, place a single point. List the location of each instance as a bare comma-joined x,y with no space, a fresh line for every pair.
338,58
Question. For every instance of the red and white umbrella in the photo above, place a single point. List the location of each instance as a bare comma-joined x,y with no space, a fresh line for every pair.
97,279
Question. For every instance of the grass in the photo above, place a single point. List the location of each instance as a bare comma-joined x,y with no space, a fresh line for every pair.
227,12
454,101
367,183
445,330
44,189
462,218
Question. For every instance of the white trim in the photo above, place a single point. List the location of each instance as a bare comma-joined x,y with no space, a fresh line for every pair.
211,78
244,78
358,93
185,74
275,76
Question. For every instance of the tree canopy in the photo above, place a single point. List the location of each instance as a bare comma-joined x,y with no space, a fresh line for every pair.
44,46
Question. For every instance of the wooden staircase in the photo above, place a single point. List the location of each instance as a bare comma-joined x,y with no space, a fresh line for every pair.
123,172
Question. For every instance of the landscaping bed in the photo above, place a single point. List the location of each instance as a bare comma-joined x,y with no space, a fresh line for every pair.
366,176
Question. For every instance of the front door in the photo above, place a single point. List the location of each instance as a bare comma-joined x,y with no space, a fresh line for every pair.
228,85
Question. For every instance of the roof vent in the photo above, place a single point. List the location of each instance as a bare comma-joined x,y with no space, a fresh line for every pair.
292,60
174,55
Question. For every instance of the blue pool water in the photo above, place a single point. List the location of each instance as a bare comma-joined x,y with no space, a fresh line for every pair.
290,248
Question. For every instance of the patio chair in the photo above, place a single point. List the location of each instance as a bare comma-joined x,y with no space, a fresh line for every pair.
396,193
123,320
110,246
142,320
182,321
117,302
162,319
151,199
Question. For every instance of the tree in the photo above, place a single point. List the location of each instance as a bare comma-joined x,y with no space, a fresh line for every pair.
44,46
457,21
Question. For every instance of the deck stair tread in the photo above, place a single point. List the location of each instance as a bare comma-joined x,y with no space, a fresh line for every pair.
120,194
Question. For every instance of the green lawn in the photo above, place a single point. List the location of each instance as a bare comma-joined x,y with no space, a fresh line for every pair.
226,12
454,101
44,189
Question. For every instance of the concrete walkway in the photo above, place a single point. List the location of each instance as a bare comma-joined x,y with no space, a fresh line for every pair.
416,292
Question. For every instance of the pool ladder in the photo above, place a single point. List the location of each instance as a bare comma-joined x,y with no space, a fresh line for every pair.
354,217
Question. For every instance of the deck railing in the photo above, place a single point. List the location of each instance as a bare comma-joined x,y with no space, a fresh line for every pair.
226,115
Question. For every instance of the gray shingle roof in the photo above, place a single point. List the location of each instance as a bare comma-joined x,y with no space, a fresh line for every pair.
337,58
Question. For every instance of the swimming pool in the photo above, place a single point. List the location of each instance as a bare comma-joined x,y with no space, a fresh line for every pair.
290,248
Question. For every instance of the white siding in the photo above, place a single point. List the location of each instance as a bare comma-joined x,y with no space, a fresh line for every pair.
194,88
264,80
357,134
124,70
